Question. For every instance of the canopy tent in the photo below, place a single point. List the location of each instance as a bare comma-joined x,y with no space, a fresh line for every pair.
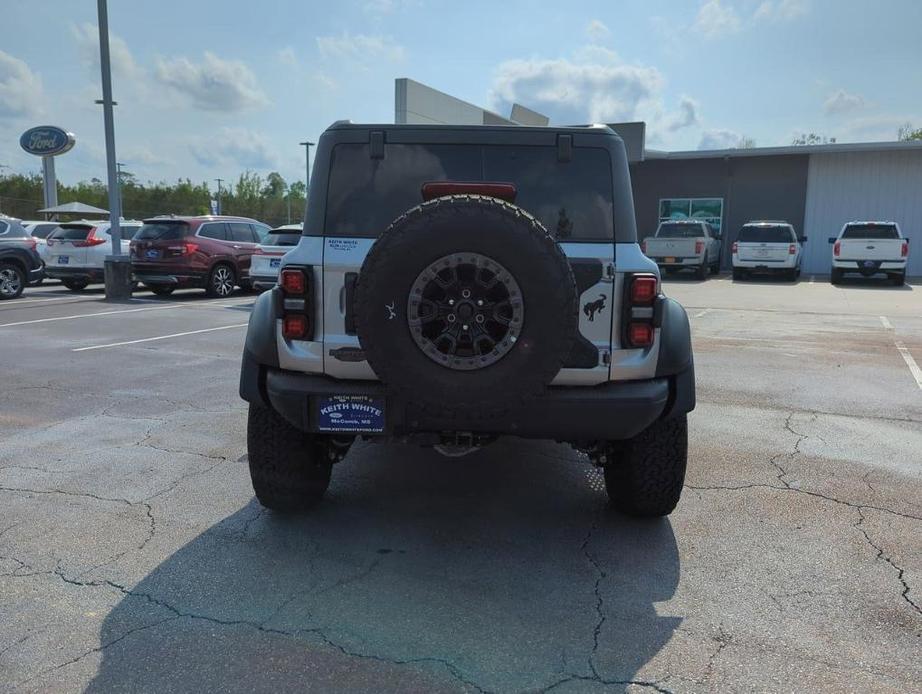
74,208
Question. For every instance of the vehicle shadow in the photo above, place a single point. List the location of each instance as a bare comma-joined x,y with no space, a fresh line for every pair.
873,284
504,568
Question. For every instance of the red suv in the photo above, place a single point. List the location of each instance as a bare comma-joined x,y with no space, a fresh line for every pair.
210,252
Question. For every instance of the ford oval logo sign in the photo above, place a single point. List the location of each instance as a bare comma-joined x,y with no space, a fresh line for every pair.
46,141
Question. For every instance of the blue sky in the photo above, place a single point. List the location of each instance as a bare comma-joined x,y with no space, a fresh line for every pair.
208,88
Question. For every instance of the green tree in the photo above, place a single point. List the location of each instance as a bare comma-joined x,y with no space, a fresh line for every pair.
275,186
813,139
907,133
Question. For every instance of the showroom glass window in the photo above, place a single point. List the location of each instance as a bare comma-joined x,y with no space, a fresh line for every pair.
708,210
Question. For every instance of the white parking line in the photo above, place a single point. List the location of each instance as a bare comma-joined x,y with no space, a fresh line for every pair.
68,299
910,362
905,353
88,315
159,337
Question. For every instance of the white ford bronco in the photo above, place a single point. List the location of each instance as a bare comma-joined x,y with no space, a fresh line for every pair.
454,284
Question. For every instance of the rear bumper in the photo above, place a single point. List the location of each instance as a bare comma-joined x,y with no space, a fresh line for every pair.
263,281
788,263
679,262
93,274
612,411
879,266
165,275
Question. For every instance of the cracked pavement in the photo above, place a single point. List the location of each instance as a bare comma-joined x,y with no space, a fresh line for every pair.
133,556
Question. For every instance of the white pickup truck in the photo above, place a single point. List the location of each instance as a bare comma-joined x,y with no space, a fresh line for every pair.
870,248
685,244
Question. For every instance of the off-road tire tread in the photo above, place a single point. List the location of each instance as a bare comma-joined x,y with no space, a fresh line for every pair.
493,403
288,468
648,472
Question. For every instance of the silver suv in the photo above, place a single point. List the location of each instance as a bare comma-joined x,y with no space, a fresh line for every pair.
454,284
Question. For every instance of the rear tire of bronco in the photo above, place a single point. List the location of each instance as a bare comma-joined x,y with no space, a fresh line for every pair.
898,280
288,467
836,276
647,472
738,274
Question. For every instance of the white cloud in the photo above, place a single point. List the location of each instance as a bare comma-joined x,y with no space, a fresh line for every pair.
215,84
286,56
593,86
235,146
597,31
781,10
840,101
715,19
21,92
136,157
87,37
360,49
718,138
686,117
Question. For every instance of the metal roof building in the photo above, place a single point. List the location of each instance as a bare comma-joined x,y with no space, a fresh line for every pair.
817,188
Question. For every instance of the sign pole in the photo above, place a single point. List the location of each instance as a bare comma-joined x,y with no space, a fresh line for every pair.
118,269
49,181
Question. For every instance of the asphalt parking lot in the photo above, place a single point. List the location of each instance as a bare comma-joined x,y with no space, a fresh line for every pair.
133,556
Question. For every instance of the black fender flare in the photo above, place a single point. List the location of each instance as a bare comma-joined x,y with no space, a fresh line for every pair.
676,359
260,349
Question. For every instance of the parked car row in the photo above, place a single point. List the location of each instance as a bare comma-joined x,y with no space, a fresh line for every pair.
773,247
215,253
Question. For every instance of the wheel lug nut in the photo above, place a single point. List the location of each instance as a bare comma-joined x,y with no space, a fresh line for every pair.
451,302
464,326
480,302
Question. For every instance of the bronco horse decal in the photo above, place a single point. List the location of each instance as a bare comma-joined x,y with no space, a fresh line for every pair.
593,307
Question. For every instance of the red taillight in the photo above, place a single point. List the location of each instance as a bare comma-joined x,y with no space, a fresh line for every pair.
904,251
90,240
292,282
792,249
699,247
438,189
643,289
187,248
640,334
735,247
294,326
836,247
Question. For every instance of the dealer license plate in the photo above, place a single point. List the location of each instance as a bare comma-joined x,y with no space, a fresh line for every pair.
152,254
353,413
670,259
63,259
275,263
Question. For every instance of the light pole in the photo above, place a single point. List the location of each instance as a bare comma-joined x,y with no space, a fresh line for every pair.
220,181
307,157
117,267
118,166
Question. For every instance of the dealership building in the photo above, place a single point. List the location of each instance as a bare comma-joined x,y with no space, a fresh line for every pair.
817,188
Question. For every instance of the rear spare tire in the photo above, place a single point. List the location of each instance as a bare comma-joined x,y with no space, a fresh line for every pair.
467,304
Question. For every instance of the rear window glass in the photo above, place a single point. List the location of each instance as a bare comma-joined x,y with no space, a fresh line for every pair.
572,199
162,231
71,233
680,231
127,232
766,234
41,231
870,231
282,239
